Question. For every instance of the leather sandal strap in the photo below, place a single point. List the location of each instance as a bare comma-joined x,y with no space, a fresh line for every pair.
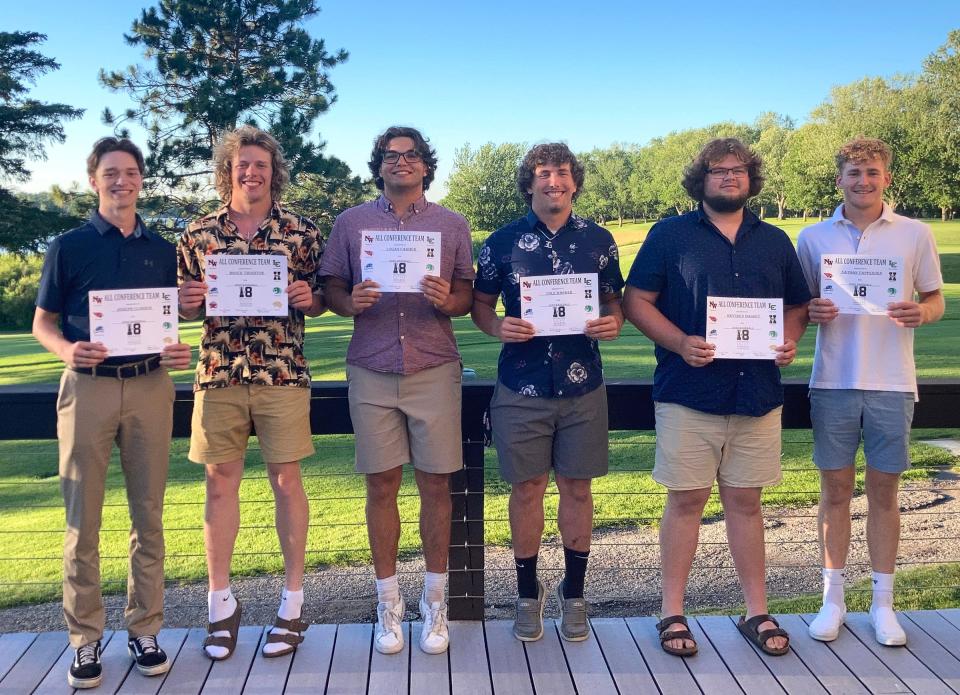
754,622
670,620
764,635
295,625
291,638
225,642
666,636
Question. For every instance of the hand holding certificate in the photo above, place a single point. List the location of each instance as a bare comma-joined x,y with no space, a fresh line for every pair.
559,304
744,327
246,285
859,284
134,322
397,261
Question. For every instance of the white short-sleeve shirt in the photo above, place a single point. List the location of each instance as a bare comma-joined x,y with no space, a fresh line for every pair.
869,353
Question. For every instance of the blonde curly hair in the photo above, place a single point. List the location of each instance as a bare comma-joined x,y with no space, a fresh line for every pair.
861,149
230,145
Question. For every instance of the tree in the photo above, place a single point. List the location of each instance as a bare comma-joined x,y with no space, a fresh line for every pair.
322,197
808,169
482,186
606,191
772,144
26,127
217,65
941,83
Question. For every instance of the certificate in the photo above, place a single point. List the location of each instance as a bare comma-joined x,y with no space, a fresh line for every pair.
559,304
246,285
861,284
134,322
397,261
745,328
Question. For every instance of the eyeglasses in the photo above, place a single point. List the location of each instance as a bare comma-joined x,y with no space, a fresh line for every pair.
724,172
392,157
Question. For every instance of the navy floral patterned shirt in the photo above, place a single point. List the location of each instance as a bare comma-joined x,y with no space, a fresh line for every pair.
550,366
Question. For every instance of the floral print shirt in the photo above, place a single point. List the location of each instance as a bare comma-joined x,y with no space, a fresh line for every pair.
550,366
266,350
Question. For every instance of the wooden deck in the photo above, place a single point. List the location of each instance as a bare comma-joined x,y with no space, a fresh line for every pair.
623,656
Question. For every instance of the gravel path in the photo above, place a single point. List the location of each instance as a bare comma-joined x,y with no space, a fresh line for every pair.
623,577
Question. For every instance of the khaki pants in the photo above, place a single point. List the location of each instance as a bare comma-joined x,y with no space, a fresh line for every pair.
92,414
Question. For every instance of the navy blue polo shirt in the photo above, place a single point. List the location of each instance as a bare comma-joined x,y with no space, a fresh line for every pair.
96,256
550,366
685,259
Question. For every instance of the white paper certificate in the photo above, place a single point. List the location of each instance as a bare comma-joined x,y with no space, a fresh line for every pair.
134,322
246,285
397,261
559,304
861,284
745,328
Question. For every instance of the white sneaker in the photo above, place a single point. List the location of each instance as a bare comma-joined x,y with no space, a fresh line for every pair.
887,627
388,638
826,626
435,637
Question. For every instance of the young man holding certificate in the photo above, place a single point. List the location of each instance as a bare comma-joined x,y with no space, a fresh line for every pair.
251,268
864,265
722,295
401,267
559,277
115,388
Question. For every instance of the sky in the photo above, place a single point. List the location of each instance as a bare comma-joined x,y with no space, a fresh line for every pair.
587,73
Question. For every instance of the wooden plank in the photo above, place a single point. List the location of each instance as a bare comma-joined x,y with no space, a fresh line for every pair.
351,659
939,628
429,673
390,673
116,662
789,670
548,667
816,656
171,640
587,665
230,675
914,674
311,662
55,681
739,657
626,664
35,663
267,675
469,672
12,647
951,615
931,653
707,667
509,671
868,669
189,671
670,672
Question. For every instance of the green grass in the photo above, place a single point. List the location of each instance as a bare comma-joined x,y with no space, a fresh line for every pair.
32,519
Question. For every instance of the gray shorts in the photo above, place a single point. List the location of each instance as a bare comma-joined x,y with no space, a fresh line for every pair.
534,434
842,416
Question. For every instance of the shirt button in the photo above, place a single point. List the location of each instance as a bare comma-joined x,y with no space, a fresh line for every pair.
401,314
560,392
736,275
741,373
401,337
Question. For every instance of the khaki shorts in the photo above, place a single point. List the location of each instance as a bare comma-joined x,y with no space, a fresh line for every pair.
696,448
407,418
222,419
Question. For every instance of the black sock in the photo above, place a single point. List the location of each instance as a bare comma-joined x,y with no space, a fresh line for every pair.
527,576
575,564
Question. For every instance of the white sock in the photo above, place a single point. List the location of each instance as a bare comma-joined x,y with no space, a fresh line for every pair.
220,604
291,607
388,589
434,585
833,586
882,590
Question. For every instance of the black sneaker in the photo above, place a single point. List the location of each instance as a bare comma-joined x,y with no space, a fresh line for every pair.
86,671
150,659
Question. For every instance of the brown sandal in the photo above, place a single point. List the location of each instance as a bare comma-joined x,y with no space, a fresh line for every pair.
666,636
750,630
294,636
230,625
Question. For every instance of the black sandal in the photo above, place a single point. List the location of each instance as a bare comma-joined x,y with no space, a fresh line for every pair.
294,636
230,625
666,636
750,630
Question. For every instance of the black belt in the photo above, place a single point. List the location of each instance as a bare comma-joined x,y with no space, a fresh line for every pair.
127,370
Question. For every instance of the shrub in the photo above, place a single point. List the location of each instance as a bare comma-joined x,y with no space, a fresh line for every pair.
19,280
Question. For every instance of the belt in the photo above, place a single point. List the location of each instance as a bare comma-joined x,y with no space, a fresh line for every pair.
122,371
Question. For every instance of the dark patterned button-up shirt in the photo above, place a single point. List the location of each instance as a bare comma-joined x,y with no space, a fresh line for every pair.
550,366
264,350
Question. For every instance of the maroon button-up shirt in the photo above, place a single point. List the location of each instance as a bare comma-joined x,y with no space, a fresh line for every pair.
402,333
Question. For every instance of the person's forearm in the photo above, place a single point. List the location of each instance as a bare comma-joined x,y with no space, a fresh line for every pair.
933,307
458,303
50,337
795,320
657,327
318,307
338,300
613,308
485,318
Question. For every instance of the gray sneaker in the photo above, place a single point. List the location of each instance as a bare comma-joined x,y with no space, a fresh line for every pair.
573,617
528,627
